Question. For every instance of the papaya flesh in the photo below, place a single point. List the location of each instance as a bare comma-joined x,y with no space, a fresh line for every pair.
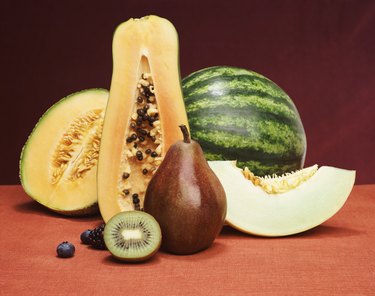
143,114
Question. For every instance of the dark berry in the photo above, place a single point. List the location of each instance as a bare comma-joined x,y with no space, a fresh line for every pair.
96,236
85,237
65,250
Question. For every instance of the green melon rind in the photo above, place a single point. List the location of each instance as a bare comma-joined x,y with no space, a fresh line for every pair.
90,209
237,114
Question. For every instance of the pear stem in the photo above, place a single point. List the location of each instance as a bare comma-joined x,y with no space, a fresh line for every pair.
185,132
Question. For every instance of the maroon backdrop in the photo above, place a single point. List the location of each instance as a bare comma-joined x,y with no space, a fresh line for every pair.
322,53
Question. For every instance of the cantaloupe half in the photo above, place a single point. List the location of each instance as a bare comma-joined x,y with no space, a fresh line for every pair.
279,206
59,160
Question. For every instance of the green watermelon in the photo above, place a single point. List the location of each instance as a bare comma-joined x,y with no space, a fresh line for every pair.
237,114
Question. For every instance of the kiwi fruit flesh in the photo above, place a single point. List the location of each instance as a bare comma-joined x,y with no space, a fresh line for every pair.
132,236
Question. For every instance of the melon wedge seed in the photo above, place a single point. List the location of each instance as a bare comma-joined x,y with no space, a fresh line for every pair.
279,184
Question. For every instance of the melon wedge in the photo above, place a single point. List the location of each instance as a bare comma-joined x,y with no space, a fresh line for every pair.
59,160
252,210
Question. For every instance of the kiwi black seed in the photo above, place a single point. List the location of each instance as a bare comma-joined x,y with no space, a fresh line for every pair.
132,236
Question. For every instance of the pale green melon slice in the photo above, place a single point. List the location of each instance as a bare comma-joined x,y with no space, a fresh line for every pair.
252,210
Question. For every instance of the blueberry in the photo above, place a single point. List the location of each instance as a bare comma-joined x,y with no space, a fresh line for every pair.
65,250
85,237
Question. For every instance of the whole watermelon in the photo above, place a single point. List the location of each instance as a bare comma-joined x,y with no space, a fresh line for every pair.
237,114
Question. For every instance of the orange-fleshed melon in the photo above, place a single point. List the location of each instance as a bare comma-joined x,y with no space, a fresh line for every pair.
59,160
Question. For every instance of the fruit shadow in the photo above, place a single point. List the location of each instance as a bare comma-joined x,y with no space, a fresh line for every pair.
112,261
321,231
324,231
211,252
228,231
32,207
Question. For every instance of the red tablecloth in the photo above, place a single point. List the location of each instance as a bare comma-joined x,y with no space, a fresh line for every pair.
336,258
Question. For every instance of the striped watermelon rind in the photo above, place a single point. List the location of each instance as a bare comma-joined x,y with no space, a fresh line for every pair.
238,114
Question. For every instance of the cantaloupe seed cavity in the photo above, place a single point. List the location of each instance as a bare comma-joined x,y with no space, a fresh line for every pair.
143,147
279,184
78,150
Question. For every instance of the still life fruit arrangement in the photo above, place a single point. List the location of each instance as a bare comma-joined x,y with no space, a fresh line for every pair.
167,161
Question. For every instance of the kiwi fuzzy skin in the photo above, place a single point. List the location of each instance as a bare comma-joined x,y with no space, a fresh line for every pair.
140,259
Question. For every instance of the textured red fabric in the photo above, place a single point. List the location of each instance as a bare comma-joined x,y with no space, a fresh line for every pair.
336,258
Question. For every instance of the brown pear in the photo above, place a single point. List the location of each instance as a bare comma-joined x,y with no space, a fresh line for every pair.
186,198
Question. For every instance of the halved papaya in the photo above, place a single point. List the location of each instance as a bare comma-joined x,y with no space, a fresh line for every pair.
282,205
144,111
59,160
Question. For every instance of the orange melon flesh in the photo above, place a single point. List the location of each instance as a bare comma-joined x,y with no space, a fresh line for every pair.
67,194
146,45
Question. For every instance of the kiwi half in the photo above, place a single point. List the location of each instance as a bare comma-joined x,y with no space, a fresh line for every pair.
132,236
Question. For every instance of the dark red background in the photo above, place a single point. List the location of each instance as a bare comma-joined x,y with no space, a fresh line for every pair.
322,53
